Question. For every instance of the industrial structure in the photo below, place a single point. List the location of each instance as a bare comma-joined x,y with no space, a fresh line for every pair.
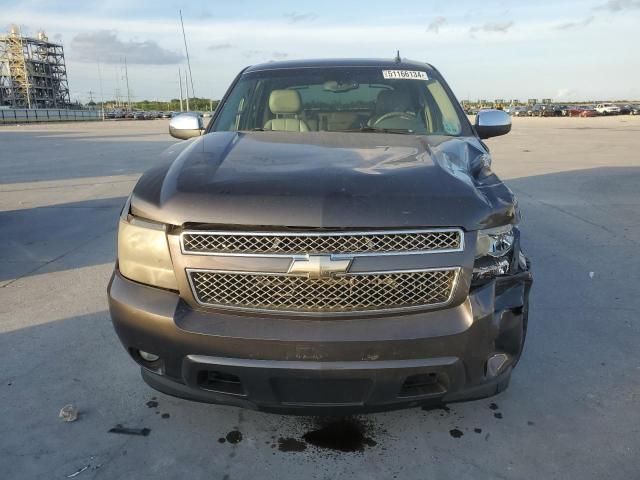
32,72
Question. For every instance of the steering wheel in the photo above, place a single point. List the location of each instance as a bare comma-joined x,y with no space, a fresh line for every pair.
410,116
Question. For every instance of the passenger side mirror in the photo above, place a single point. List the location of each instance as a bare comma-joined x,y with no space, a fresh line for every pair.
492,123
185,126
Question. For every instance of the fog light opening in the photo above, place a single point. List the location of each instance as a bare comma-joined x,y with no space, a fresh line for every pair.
423,384
495,364
149,357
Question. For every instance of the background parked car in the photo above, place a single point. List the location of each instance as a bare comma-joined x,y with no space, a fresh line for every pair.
607,109
574,111
625,109
589,111
115,113
517,111
581,111
541,110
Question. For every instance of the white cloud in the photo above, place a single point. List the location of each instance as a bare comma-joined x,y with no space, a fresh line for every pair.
570,25
619,5
106,47
265,56
500,27
563,94
295,17
435,24
219,46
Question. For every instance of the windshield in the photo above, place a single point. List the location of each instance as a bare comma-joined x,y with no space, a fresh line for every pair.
346,99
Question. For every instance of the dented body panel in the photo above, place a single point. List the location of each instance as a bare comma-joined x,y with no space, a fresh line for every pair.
325,180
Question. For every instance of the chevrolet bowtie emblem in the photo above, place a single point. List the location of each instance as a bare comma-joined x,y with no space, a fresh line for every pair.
319,266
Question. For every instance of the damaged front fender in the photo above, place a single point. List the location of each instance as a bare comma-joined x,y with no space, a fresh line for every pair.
502,304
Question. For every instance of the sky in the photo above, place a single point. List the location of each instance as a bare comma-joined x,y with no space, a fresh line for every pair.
569,50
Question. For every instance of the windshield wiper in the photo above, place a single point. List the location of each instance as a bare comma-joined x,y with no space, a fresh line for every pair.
404,131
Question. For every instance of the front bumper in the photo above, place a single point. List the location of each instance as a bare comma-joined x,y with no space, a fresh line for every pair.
325,366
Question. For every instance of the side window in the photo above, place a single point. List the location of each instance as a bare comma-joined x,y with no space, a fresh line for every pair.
255,112
448,115
232,113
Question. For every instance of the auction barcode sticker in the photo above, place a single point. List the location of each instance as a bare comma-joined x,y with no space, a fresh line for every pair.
405,74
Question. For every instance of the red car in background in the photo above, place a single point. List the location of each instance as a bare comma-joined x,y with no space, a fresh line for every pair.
582,111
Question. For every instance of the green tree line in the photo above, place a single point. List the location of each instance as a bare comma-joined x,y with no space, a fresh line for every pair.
200,104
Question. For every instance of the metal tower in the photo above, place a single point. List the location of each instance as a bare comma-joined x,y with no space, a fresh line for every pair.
32,72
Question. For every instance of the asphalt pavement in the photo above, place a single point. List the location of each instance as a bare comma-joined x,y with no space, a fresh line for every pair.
571,412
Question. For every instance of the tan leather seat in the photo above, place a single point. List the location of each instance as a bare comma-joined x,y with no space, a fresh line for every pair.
286,105
337,121
391,101
312,124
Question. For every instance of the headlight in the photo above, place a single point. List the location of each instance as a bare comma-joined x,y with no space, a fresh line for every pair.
495,242
143,252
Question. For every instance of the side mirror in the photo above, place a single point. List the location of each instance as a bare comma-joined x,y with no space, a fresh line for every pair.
492,123
186,125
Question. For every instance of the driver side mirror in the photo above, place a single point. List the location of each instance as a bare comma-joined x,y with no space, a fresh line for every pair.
492,123
186,125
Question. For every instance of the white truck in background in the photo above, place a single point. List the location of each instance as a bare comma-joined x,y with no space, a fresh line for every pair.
607,109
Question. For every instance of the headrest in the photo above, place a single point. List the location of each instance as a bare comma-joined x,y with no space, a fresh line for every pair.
384,101
401,101
284,101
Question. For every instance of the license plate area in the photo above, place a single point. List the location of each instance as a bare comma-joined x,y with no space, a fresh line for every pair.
308,391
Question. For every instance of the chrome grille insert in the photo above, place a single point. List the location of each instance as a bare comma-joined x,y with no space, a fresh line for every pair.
379,291
302,243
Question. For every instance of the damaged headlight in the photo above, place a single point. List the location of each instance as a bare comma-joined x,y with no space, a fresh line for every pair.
143,252
495,242
493,247
488,267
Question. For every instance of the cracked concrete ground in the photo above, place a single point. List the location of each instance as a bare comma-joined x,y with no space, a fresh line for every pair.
570,412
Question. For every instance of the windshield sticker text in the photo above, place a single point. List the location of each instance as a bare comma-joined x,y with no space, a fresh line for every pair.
404,75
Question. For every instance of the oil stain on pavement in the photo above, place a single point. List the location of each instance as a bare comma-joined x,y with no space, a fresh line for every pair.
342,434
234,436
348,434
291,445
351,434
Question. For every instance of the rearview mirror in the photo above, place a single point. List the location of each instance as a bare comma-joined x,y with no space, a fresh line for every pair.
492,123
336,86
186,125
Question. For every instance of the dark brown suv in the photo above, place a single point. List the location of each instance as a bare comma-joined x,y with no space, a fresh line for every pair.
334,241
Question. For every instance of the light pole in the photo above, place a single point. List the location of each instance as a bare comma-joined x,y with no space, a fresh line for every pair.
126,74
180,82
101,95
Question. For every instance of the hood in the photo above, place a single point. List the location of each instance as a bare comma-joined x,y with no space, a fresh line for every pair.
325,180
